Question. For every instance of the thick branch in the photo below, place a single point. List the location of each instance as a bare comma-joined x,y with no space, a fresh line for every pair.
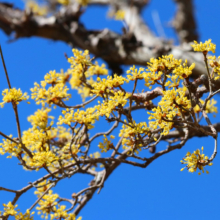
184,21
112,47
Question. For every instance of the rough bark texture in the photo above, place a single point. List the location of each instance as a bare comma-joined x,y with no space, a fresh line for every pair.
136,46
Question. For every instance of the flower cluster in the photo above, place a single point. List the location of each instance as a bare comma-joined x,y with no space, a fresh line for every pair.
106,145
47,203
133,134
210,106
63,2
214,63
173,103
105,85
204,47
10,147
196,160
40,119
53,95
119,15
13,95
36,8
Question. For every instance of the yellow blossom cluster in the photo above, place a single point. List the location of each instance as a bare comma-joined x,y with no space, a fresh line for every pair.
47,203
214,63
106,145
40,119
38,142
9,210
10,147
80,58
42,187
87,117
95,155
166,67
105,85
172,104
204,47
53,95
133,73
119,15
132,134
210,106
91,115
82,71
36,8
63,2
13,95
82,78
196,160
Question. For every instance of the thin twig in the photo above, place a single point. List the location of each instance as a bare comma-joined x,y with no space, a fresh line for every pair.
45,192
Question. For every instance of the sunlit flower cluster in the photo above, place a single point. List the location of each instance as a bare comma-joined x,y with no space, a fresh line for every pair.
119,15
36,8
172,104
215,65
204,47
63,2
196,160
13,95
9,210
47,204
105,85
133,73
106,145
132,134
210,107
82,58
40,119
10,147
52,95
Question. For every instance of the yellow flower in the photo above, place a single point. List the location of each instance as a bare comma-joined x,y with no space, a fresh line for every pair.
106,145
210,107
13,95
133,73
106,85
10,147
36,9
40,118
52,95
119,15
25,216
80,57
204,47
215,65
9,209
47,204
132,135
63,2
194,161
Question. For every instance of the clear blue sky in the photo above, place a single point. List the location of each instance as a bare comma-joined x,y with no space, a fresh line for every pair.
159,192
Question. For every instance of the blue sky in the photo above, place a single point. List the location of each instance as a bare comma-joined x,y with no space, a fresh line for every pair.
159,192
